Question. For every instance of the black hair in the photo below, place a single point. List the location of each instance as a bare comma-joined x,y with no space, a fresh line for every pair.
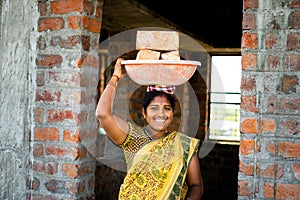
149,96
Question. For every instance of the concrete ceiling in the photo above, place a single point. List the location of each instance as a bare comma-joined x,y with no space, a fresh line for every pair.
214,25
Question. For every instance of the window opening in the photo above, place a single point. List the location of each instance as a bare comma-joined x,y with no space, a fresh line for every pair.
225,98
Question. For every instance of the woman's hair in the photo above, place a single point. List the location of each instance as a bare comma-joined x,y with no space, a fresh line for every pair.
149,96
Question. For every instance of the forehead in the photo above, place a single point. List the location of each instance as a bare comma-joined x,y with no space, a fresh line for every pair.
160,100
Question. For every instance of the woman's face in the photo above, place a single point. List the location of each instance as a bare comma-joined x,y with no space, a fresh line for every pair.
159,114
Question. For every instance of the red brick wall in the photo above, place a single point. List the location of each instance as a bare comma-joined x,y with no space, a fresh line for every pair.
64,110
270,108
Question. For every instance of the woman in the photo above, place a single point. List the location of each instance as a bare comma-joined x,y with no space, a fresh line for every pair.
160,164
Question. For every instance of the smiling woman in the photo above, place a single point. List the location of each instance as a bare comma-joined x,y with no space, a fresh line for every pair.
161,164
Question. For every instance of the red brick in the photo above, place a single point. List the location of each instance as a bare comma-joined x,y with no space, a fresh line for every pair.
249,21
293,21
249,41
249,61
74,22
74,153
38,115
269,190
99,12
42,8
70,170
88,7
289,83
271,40
271,147
289,104
32,196
292,62
50,168
269,170
40,79
290,126
247,146
268,125
46,134
294,4
245,188
248,83
66,6
292,41
52,24
287,191
272,104
47,96
49,61
91,24
296,169
249,125
250,4
59,115
246,169
38,150
75,138
273,62
289,149
248,103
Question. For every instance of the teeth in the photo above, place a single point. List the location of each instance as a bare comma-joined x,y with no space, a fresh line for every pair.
160,120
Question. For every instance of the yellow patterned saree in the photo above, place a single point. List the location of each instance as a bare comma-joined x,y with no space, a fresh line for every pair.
157,168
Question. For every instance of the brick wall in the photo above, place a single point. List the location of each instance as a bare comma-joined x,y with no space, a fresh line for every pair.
64,124
270,110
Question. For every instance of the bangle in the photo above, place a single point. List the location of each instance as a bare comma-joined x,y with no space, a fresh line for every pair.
112,84
116,77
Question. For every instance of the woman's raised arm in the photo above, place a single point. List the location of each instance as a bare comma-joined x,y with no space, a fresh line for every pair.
114,127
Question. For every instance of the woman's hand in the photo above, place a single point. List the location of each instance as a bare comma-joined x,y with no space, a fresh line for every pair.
118,71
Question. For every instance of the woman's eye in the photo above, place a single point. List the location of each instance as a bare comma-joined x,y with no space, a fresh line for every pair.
168,108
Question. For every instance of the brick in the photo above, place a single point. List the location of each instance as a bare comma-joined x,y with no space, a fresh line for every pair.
296,170
46,134
289,149
170,55
289,104
81,98
247,146
32,183
42,6
70,170
249,61
74,22
49,168
91,24
250,4
52,24
248,103
88,7
269,190
57,186
147,54
245,188
249,41
246,169
43,61
294,4
60,115
248,83
40,78
271,40
73,138
273,63
249,125
66,6
270,170
292,62
249,21
38,115
272,104
38,150
290,126
157,40
74,153
289,84
293,42
287,191
293,21
42,43
48,96
268,125
32,196
99,12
